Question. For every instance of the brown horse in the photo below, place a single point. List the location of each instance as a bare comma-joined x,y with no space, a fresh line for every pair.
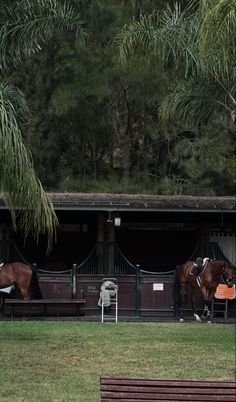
19,275
212,274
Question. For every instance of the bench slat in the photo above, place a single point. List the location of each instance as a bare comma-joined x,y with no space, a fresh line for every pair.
44,301
167,397
167,383
176,390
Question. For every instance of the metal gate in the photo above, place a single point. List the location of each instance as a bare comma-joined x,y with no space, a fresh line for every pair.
140,292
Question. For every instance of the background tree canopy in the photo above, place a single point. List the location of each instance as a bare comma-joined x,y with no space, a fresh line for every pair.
161,122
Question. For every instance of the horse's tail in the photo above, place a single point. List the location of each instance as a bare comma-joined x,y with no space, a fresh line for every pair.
34,286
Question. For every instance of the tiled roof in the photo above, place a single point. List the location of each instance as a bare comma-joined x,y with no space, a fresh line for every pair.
108,201
135,201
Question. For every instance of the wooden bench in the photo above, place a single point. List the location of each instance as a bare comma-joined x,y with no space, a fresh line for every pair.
145,389
45,303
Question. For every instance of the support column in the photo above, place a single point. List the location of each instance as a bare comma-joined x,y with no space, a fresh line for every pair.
100,242
74,281
109,246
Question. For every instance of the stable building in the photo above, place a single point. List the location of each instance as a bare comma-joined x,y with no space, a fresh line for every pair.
137,239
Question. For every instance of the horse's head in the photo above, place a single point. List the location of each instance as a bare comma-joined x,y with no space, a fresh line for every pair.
227,274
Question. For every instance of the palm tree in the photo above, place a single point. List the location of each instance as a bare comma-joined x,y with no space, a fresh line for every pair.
24,28
199,44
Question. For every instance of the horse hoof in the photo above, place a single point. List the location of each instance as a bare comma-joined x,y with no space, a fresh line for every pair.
208,322
181,320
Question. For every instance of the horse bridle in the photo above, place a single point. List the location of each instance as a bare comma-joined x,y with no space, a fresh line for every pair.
226,281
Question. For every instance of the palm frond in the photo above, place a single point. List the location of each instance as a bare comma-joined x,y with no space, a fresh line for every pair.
178,33
169,33
31,24
194,103
133,37
23,193
217,37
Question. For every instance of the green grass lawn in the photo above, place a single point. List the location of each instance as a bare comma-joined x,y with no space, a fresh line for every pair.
62,361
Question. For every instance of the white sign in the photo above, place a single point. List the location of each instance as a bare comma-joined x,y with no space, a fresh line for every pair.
158,286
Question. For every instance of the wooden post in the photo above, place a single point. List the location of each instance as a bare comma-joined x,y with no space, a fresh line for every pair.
100,242
138,291
35,268
110,242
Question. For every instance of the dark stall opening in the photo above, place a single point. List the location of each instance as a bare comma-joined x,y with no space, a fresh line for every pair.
157,250
72,246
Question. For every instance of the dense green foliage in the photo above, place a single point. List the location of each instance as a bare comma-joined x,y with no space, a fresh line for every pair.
98,125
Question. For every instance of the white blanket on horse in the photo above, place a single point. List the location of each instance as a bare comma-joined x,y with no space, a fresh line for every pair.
7,290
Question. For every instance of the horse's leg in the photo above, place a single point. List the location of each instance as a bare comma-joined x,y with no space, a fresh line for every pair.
24,292
181,301
211,294
193,301
23,285
209,312
206,310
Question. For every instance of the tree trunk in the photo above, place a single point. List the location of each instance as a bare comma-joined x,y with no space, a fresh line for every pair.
138,6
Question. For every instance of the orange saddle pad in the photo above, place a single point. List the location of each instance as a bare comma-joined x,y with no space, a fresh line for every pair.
223,292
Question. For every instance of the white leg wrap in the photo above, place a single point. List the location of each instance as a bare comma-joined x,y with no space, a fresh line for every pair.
197,317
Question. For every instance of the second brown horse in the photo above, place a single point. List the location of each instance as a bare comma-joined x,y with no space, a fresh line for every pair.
212,275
